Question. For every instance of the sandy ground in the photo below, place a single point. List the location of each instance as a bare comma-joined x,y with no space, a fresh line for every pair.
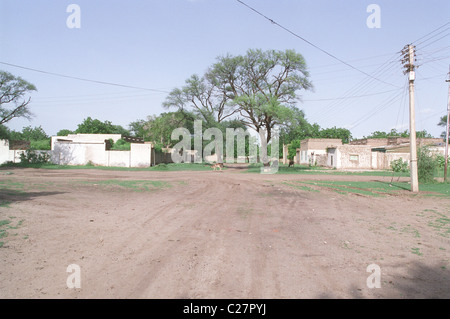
216,235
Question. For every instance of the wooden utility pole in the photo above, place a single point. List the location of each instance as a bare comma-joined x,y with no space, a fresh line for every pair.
409,58
447,131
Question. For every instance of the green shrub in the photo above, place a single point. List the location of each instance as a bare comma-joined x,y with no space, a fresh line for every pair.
441,160
32,157
292,149
426,165
158,148
121,145
41,145
399,166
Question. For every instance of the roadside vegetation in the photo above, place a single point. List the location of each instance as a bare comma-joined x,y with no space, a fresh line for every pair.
372,188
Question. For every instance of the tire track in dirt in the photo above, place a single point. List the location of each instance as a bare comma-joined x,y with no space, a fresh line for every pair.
215,235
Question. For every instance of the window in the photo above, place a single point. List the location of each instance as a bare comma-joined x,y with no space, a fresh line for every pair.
354,158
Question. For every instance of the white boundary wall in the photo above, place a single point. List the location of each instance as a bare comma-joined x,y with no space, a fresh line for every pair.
66,152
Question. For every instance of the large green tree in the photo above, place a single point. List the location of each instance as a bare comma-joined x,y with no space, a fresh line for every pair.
259,88
14,101
158,128
64,132
95,126
263,86
336,132
201,96
395,133
37,137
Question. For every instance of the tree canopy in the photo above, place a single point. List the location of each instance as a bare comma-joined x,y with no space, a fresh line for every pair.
158,128
13,100
395,133
39,140
95,126
259,88
262,86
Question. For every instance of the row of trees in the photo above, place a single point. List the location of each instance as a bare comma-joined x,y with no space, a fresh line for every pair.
258,90
396,133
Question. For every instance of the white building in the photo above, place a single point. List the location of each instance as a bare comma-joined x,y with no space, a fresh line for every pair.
82,149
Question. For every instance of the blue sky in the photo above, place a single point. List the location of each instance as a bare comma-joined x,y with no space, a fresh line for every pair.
159,44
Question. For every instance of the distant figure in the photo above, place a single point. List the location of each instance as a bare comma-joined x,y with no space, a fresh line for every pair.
217,165
291,162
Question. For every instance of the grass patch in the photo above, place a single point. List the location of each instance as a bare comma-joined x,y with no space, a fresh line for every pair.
362,188
5,203
5,225
301,187
159,167
285,169
440,223
314,170
9,184
416,251
442,189
135,185
377,188
181,167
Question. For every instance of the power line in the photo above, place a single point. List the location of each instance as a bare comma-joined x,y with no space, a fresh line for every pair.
431,32
446,35
312,44
83,79
359,88
380,107
349,97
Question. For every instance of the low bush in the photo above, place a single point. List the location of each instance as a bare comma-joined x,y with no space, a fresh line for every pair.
33,157
41,145
121,145
399,166
426,165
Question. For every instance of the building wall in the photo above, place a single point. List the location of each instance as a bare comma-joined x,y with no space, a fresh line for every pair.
312,156
14,155
319,143
319,147
350,157
140,155
389,157
65,153
4,151
118,158
377,142
86,138
374,142
78,153
341,157
7,155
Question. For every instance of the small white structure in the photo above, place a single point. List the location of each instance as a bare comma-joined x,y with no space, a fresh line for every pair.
314,150
7,154
350,156
82,149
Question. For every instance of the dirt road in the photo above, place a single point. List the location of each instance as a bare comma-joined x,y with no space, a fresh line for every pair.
215,235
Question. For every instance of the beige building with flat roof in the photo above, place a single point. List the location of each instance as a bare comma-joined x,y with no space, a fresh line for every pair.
314,150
